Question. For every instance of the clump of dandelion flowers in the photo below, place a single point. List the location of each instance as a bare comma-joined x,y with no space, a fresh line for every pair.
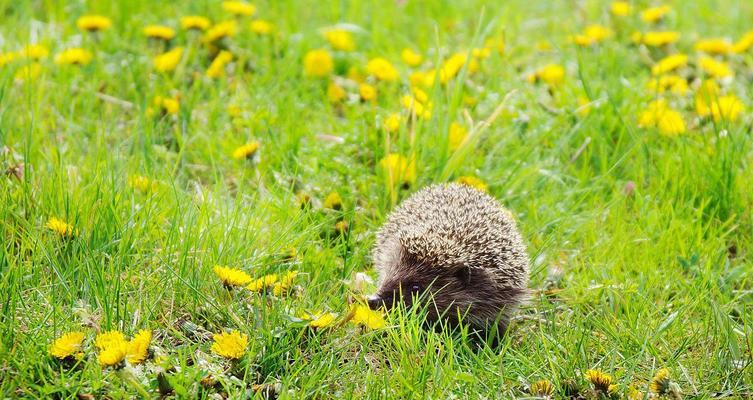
231,345
60,227
231,277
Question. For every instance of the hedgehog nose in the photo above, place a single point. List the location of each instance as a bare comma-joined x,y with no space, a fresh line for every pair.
375,302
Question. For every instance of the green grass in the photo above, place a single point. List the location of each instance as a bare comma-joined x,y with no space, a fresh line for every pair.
626,283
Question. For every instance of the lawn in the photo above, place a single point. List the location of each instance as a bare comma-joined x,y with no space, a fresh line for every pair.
188,205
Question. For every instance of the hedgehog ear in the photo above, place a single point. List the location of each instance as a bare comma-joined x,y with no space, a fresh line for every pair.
463,274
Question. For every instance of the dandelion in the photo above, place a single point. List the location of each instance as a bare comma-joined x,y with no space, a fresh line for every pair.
74,56
473,182
601,382
741,46
196,22
319,320
168,61
634,394
342,227
231,277
28,73
660,382
263,283
411,58
7,58
67,345
142,183
391,124
398,169
239,8
138,347
261,27
364,316
657,38
335,93
159,32
621,8
217,67
340,39
542,388
669,63
318,63
714,68
382,69
457,135
112,347
416,107
367,92
659,115
452,66
60,227
674,83
220,31
333,201
246,151
284,284
726,108
593,34
551,74
93,23
231,345
34,52
714,46
167,105
655,14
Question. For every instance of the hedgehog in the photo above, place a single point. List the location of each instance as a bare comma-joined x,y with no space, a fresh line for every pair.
458,248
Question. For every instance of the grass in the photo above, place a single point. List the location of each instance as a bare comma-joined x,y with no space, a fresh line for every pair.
639,243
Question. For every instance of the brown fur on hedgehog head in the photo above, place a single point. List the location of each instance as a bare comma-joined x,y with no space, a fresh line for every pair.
458,251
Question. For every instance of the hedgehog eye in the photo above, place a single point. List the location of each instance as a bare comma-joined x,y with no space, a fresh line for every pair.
415,289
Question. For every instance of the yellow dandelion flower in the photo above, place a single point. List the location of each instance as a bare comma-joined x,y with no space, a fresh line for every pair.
674,83
340,39
105,339
496,43
621,8
231,277
741,46
113,354
542,388
263,283
34,52
659,115
593,34
416,107
168,61
634,394
333,201
93,23
398,169
392,123
367,92
28,73
261,27
382,69
220,31
481,52
138,347
7,58
67,345
452,66
660,382
707,93
600,380
283,286
239,8
74,56
473,182
364,316
726,108
456,136
195,22
714,46
318,63
551,74
159,32
231,345
246,151
319,320
657,38
669,63
655,14
142,183
411,58
714,68
335,93
60,227
167,105
217,67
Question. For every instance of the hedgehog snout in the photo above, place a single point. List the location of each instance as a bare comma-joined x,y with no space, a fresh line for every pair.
375,302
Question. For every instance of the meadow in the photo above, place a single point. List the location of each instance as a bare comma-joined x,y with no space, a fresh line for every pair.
189,193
